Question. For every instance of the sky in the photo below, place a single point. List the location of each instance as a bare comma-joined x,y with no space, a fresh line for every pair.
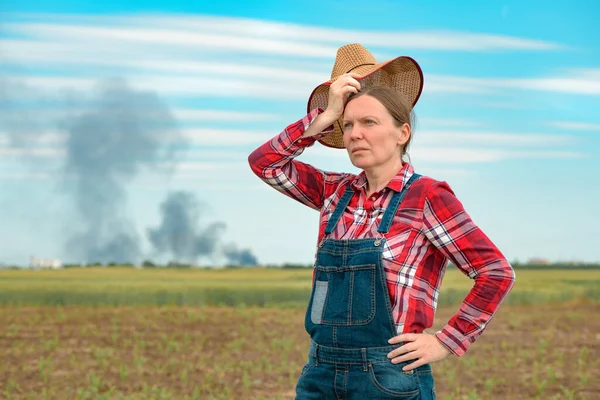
125,126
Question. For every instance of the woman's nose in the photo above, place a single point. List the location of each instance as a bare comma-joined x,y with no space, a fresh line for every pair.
355,133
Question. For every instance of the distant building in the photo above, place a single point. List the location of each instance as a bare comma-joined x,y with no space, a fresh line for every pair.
45,264
538,261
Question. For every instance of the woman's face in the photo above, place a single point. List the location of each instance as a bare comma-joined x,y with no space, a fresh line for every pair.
371,136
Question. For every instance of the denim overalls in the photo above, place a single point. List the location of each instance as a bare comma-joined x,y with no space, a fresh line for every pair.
349,319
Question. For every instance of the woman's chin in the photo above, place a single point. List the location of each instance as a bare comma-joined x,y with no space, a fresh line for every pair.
360,162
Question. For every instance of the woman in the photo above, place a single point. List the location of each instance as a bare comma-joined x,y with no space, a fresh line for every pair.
385,238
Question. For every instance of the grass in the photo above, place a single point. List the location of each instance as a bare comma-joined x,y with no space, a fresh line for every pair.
262,287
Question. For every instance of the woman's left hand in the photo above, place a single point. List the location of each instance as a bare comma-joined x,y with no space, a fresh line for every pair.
424,348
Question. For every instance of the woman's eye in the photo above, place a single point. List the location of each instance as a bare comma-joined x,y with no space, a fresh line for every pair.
370,122
347,125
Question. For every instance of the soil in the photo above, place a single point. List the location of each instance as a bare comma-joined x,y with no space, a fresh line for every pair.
545,351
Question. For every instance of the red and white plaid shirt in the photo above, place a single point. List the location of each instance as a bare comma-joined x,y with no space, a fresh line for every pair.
430,229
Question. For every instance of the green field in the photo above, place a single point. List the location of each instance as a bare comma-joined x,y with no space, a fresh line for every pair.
262,287
125,333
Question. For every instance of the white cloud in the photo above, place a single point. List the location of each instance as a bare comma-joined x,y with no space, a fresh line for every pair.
231,57
31,152
262,35
573,82
574,126
508,104
441,173
454,155
22,176
198,172
198,115
479,155
189,136
448,122
182,115
455,84
244,58
438,40
587,85
274,87
442,137
158,60
176,86
222,156
190,166
213,137
40,138
188,39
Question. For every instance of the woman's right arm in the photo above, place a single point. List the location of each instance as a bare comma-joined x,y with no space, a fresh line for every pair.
274,163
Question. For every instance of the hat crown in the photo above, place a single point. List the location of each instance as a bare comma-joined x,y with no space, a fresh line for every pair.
401,74
349,57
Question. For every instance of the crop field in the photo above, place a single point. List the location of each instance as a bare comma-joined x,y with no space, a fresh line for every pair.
262,287
119,333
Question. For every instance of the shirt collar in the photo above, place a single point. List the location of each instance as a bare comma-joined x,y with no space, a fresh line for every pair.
396,184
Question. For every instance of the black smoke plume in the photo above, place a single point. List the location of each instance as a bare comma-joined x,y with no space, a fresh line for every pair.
180,235
110,135
120,133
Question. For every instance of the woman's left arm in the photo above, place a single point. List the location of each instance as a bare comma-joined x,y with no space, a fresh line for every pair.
453,232
450,229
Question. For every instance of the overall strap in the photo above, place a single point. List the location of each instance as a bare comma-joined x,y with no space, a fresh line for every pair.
392,208
339,210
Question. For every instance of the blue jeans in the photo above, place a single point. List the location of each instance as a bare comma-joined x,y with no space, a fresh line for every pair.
359,374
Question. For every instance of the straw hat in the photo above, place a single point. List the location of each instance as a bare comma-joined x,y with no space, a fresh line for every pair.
401,73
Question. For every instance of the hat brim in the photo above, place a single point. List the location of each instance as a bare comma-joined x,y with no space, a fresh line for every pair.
402,74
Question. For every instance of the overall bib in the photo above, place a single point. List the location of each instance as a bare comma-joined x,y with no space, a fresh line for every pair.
349,319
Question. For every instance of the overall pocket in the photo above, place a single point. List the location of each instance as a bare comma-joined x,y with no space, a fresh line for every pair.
344,296
389,379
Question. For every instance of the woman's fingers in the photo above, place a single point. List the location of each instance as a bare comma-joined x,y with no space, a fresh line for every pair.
406,348
348,90
347,80
339,91
343,87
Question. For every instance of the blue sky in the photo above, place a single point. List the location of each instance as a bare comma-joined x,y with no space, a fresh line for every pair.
508,115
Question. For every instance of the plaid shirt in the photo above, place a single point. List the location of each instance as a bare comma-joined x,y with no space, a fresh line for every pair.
430,229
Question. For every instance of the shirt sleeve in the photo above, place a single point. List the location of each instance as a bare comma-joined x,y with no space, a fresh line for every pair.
274,163
451,230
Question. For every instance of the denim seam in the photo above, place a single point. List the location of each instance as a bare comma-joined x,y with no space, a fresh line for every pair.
350,295
383,349
335,384
308,368
323,320
338,361
345,383
334,335
388,391
349,268
344,252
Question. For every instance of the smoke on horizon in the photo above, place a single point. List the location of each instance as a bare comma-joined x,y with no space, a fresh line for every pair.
109,136
180,235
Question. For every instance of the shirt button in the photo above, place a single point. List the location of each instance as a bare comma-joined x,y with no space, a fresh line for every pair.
373,198
299,140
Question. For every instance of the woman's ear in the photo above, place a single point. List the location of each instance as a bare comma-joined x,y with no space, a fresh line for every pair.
405,133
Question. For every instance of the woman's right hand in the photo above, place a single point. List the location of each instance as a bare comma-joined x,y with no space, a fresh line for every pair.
339,91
